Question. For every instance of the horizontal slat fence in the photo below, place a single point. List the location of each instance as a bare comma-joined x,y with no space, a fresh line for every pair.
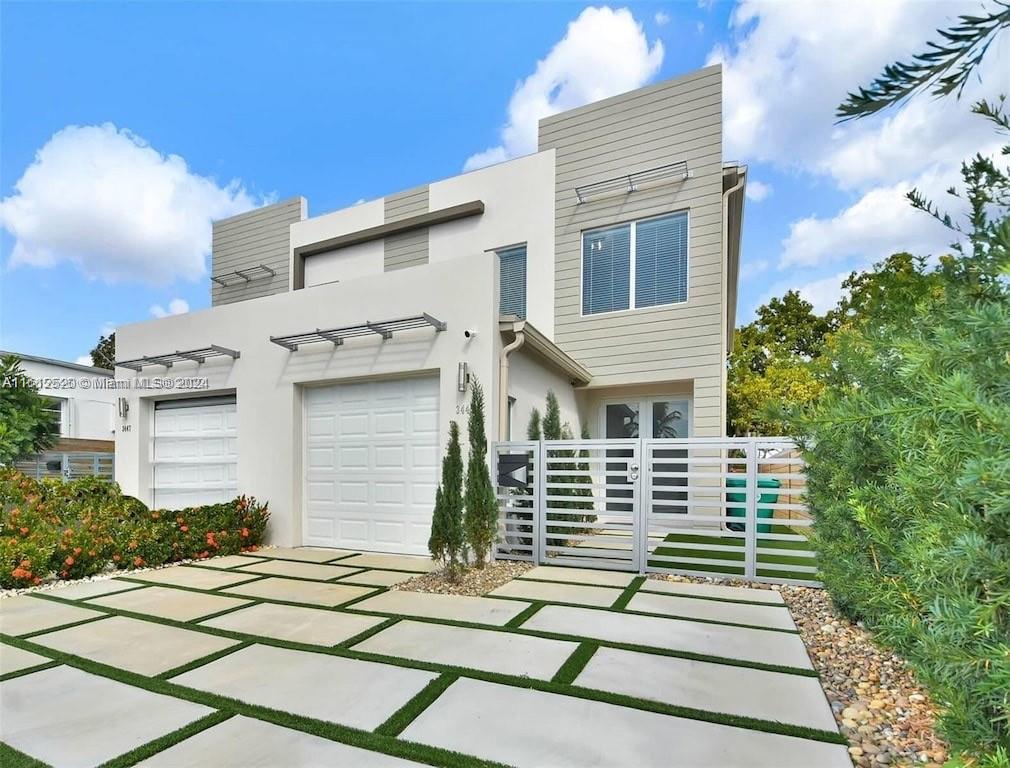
723,507
69,465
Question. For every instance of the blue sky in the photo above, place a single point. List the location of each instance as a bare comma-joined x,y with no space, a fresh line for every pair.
339,102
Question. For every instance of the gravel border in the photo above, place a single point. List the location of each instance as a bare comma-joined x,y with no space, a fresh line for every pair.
879,706
475,581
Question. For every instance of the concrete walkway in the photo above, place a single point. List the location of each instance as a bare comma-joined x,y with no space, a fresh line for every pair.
331,666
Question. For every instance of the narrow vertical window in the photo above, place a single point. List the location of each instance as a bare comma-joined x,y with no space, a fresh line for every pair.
512,281
661,261
606,269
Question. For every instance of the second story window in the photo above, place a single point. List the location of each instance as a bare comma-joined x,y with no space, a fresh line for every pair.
512,272
639,264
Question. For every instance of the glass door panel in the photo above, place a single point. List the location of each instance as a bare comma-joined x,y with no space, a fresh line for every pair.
669,419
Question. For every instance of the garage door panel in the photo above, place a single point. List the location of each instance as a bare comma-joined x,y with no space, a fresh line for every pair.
382,474
194,454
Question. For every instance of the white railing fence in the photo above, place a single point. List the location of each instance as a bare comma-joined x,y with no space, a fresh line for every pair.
69,465
725,507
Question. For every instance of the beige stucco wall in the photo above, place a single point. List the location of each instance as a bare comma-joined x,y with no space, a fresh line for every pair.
529,381
268,380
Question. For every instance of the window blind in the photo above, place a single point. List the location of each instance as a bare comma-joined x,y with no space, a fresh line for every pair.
606,270
661,261
512,281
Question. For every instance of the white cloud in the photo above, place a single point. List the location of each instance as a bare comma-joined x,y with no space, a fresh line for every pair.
604,52
175,307
824,293
758,190
100,197
662,18
880,223
83,360
752,267
794,62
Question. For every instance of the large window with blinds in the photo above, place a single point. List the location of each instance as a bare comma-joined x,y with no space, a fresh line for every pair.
634,265
512,281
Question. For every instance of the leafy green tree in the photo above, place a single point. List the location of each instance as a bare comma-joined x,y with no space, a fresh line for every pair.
908,453
774,366
481,506
27,422
104,353
446,542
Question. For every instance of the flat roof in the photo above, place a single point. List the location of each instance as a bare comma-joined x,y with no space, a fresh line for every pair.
61,363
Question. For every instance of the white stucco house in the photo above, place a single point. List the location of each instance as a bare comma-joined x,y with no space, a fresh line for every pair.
339,346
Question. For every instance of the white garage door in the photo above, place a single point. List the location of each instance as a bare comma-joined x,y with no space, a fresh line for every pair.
194,452
372,464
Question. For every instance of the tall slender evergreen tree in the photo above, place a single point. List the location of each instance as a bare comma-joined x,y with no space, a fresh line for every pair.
446,542
481,507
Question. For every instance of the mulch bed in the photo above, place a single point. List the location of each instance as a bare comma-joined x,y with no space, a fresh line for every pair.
474,581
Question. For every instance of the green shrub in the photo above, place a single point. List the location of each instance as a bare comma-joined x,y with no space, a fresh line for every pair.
76,529
446,542
481,505
909,475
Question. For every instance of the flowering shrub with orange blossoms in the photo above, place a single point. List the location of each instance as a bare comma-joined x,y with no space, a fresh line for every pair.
78,528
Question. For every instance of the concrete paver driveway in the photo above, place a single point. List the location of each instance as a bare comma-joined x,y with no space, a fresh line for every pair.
306,657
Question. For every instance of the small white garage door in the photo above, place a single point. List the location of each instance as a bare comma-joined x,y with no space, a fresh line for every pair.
194,452
372,464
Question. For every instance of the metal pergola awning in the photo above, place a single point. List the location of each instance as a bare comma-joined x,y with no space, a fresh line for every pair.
247,275
336,336
630,182
192,355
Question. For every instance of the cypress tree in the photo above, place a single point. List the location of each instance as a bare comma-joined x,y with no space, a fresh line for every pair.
481,507
533,428
446,541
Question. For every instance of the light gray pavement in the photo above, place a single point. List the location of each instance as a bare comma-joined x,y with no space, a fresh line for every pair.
14,659
306,554
196,578
134,645
360,694
504,652
298,591
718,591
785,698
392,562
299,570
73,719
242,742
169,603
772,616
600,597
600,578
295,623
478,610
378,578
742,643
228,561
524,727
85,589
26,614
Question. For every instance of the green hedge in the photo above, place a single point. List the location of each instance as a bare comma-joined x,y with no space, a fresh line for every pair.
76,529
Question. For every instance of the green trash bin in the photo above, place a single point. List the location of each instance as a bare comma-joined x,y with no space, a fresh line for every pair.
764,513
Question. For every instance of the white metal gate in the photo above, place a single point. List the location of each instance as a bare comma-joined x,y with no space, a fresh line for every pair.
723,507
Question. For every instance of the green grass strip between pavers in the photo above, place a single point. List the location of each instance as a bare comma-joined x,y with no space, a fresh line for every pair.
408,713
514,680
203,661
520,618
344,734
575,663
429,620
11,758
629,592
27,671
162,743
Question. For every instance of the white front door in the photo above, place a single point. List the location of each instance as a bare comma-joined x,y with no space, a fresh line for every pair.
194,452
372,464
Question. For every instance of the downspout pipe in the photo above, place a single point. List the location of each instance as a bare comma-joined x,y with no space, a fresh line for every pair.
503,381
728,331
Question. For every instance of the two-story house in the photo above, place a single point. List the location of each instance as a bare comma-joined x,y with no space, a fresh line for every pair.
340,346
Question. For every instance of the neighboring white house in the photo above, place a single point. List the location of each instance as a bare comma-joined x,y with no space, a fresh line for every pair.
85,411
339,347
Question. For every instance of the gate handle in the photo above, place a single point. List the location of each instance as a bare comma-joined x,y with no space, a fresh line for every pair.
633,467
